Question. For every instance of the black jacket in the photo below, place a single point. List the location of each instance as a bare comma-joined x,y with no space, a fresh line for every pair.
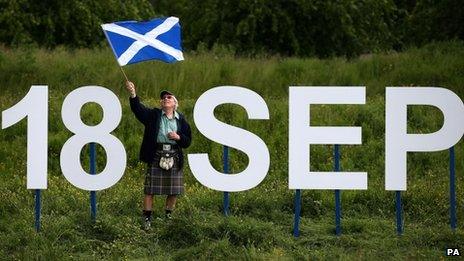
151,120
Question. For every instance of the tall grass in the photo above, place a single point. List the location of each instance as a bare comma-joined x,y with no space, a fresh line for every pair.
261,219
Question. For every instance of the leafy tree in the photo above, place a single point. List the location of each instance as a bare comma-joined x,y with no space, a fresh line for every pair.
71,22
435,21
287,27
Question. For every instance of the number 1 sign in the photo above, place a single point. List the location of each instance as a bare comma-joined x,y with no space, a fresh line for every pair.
34,106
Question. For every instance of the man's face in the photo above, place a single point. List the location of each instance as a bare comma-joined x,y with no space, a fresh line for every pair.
167,101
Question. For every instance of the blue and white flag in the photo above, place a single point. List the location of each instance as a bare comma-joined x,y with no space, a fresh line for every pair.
134,41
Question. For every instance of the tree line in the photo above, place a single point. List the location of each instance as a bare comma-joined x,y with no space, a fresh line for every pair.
247,27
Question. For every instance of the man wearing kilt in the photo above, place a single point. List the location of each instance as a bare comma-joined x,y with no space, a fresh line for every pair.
166,133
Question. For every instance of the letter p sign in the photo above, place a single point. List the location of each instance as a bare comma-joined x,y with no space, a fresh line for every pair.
398,142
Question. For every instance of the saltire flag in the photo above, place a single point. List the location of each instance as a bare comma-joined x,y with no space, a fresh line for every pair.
157,39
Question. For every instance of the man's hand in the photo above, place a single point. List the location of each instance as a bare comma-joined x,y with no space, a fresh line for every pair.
173,135
131,88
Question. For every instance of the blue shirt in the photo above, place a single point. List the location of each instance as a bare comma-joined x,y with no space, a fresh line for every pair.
167,125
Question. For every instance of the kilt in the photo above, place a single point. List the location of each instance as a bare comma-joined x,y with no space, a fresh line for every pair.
159,181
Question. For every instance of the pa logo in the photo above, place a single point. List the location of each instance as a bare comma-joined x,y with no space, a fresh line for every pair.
452,252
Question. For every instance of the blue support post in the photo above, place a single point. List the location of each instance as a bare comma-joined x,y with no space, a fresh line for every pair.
338,211
296,225
225,159
37,210
93,194
399,219
452,190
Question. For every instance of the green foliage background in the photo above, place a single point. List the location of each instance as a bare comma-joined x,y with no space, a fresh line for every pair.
247,27
261,219
249,43
74,23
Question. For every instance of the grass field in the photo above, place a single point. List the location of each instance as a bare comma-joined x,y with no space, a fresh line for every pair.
261,220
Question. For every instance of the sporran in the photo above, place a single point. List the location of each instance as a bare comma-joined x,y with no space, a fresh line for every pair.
167,157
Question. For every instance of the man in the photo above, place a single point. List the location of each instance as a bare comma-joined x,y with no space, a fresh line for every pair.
166,133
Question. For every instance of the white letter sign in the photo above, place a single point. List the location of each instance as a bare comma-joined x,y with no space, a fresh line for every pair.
398,142
252,145
302,135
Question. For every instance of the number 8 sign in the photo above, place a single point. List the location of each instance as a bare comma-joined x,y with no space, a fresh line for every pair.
34,106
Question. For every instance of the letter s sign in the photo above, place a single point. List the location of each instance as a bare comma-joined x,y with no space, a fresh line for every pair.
232,136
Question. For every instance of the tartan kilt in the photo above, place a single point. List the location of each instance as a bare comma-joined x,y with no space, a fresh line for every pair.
159,181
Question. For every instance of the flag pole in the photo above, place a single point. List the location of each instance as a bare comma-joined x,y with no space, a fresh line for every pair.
111,45
125,76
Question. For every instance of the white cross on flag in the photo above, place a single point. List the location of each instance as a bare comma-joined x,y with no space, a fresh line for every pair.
133,41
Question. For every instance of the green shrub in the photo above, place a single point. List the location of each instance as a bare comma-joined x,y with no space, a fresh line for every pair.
73,23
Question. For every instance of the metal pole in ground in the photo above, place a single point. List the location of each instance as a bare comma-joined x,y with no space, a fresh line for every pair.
296,224
399,218
338,211
37,210
452,198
